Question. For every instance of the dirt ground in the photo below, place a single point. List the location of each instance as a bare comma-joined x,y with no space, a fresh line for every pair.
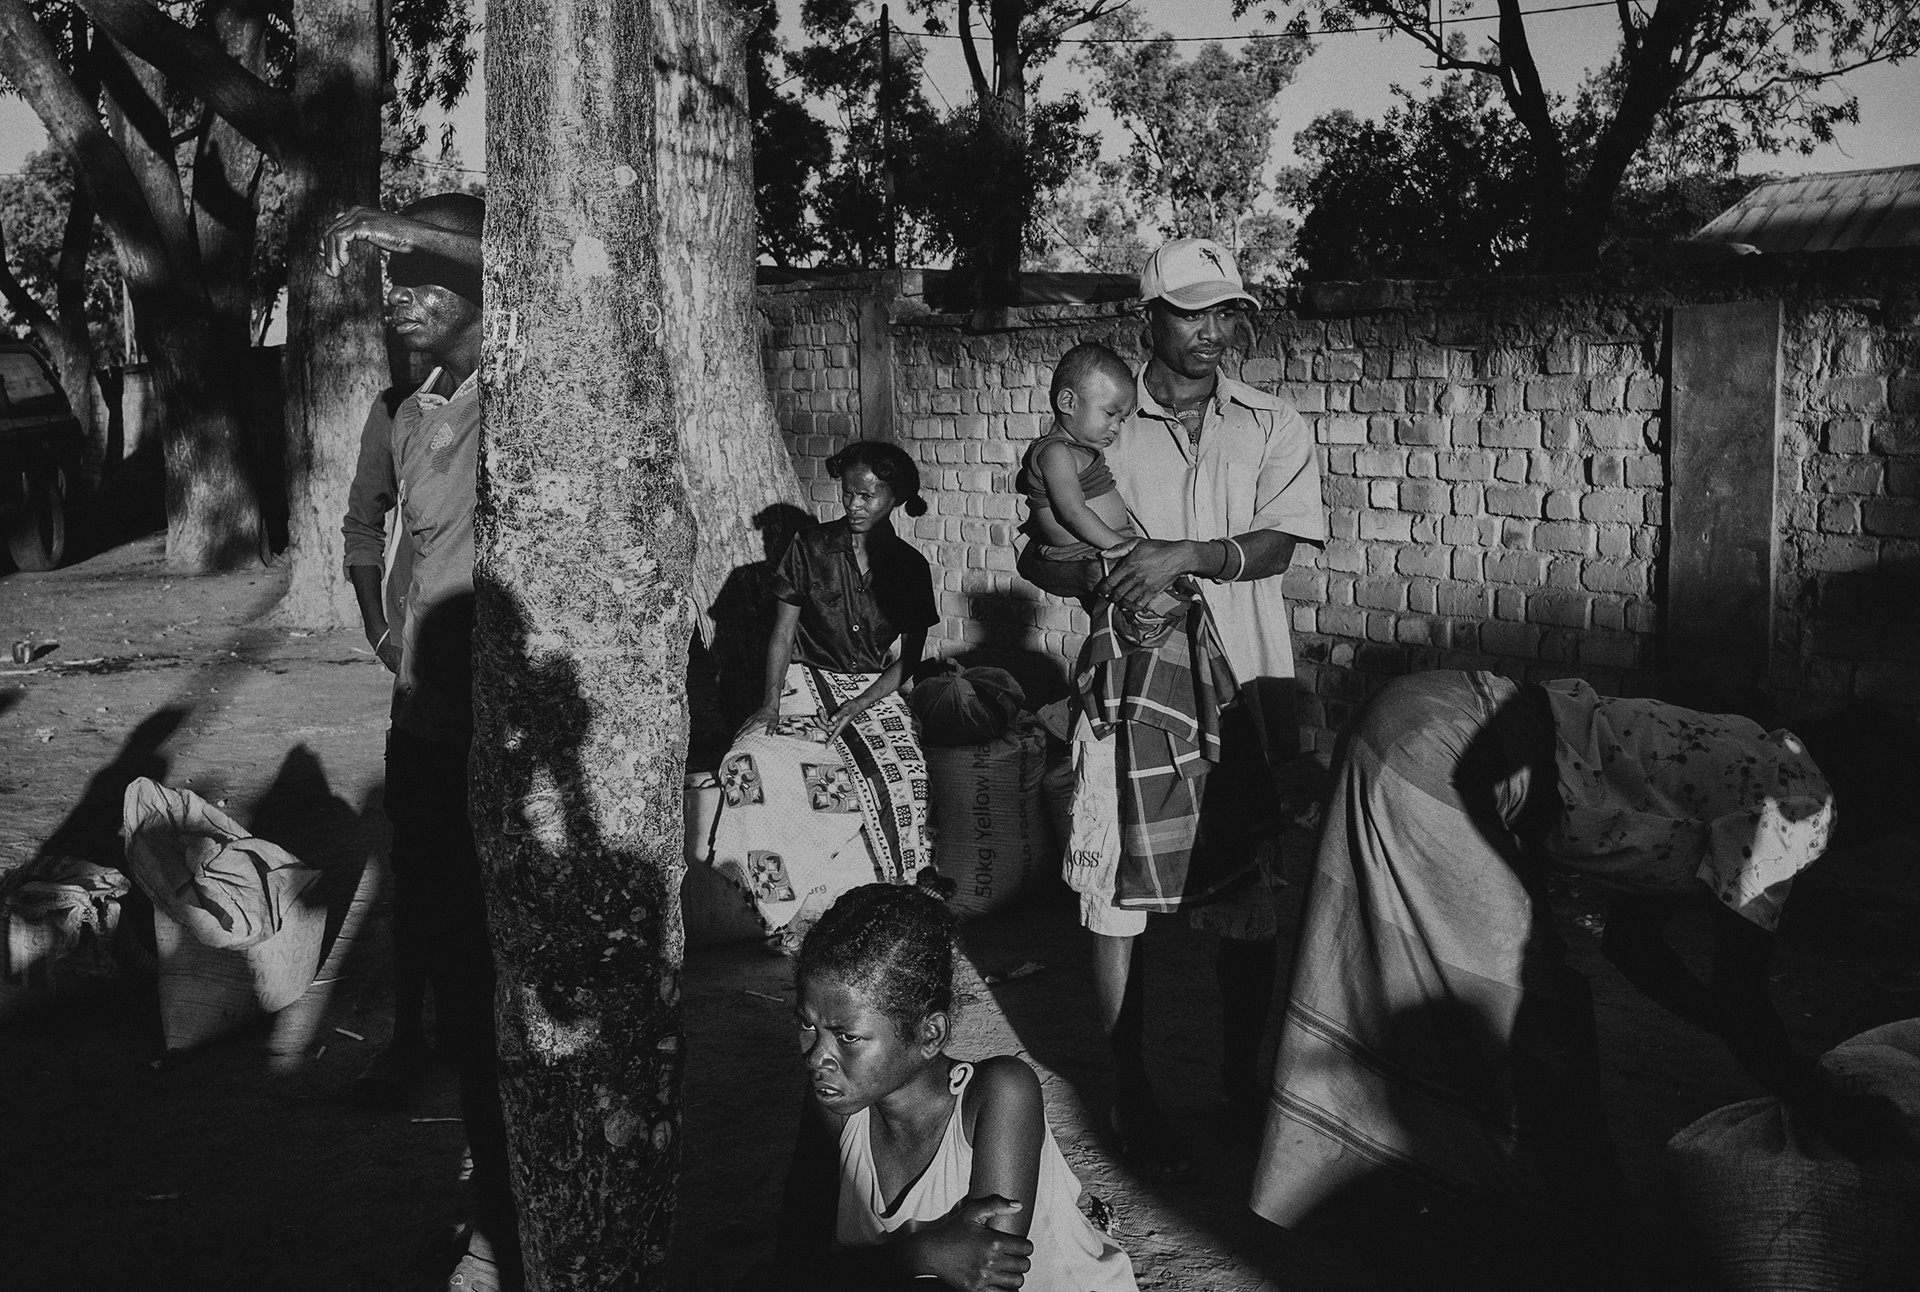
239,1165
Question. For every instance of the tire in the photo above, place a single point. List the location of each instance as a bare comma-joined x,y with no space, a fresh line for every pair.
37,527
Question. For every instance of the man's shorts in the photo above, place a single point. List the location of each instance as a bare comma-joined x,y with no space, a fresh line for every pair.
1092,862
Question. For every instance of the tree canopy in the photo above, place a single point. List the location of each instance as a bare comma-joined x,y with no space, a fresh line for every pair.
958,190
33,219
1708,80
1199,133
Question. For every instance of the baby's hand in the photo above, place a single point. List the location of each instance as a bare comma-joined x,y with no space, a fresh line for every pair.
1118,550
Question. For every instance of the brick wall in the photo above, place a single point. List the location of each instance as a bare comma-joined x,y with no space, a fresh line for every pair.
809,343
1493,457
1847,613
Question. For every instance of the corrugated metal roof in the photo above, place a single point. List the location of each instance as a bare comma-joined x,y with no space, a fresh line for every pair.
1838,212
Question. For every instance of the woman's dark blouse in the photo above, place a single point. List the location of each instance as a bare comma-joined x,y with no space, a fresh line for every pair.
848,623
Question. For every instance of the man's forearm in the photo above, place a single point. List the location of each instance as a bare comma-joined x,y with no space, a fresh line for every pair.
366,590
1268,552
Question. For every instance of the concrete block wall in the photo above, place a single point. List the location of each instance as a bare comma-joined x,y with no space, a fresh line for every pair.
968,406
1847,609
809,344
1493,456
1493,489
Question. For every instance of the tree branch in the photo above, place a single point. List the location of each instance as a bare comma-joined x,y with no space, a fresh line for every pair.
31,63
1797,80
1629,33
981,89
1428,37
18,298
195,63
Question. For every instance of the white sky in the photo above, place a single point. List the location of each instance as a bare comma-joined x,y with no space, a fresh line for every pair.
1350,70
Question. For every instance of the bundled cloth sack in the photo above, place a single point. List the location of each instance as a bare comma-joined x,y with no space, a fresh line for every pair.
56,932
991,834
236,924
965,706
791,831
1775,1208
716,907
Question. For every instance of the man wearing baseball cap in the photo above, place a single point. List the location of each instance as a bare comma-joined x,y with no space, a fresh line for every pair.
1223,482
424,470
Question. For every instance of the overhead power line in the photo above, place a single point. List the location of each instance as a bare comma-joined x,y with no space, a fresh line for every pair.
1283,35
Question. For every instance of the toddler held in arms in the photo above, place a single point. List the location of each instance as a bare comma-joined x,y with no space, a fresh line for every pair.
1074,508
912,1165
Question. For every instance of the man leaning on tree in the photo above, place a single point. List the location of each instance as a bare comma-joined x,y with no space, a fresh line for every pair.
425,472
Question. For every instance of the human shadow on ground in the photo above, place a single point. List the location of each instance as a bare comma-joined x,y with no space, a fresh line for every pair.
300,812
92,829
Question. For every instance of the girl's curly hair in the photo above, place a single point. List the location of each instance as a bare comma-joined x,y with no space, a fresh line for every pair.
892,943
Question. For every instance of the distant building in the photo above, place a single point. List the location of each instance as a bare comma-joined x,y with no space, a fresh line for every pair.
1837,212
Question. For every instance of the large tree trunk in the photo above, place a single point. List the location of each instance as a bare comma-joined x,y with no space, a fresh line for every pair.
582,579
740,478
201,385
992,264
990,268
336,358
69,341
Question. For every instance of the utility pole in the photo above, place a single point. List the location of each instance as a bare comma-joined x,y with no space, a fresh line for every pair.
886,137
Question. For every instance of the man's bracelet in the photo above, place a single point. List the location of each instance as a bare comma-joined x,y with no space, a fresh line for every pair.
385,633
1240,562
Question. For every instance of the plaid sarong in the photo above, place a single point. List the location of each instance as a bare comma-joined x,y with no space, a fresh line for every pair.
1164,702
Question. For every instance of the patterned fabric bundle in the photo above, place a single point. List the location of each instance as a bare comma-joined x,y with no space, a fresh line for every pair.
802,822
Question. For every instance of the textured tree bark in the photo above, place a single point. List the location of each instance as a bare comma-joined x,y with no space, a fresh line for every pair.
68,340
336,360
737,464
585,547
213,511
991,265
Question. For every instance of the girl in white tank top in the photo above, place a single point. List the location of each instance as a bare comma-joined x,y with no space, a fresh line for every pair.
911,1164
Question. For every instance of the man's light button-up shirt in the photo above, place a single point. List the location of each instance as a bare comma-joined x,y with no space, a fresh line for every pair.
1254,468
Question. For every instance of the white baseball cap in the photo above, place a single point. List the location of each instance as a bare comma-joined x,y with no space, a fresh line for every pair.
1193,273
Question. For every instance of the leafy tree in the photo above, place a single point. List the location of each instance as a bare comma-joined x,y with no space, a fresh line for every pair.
298,86
966,183
1741,75
791,147
1436,188
1016,147
1095,222
1199,131
1442,184
34,216
841,66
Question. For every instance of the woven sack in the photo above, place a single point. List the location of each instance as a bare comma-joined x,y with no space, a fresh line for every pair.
1774,1208
236,928
965,706
57,926
988,818
715,908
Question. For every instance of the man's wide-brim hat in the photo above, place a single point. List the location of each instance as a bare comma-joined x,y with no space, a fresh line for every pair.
1194,274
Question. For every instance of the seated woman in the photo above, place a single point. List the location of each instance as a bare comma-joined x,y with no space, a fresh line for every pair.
1433,1027
825,787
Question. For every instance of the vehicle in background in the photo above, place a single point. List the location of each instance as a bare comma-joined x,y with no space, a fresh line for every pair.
39,457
